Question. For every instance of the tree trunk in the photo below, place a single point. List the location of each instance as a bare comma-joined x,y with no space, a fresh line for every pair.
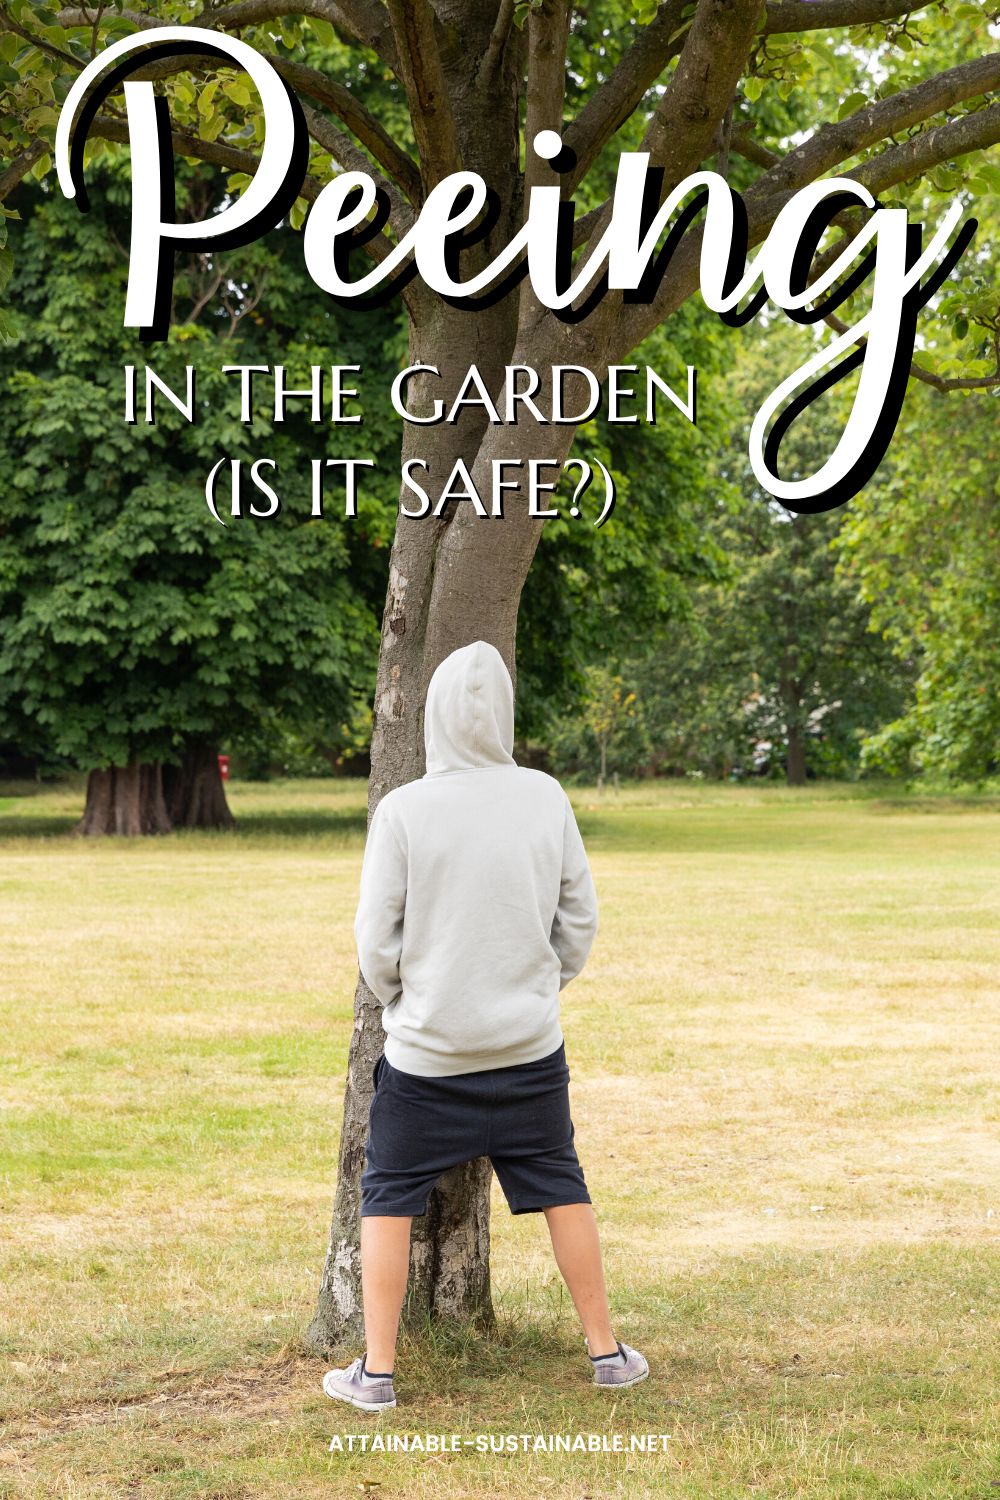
790,686
451,581
125,800
194,791
795,756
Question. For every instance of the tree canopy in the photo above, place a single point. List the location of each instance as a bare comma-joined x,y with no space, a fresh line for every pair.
923,546
132,622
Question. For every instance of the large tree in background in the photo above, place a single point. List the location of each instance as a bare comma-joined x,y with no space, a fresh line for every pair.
468,81
137,635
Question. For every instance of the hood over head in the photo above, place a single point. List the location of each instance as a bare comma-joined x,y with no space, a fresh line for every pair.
469,714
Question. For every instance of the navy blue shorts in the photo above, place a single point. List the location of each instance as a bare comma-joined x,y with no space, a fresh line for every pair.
518,1117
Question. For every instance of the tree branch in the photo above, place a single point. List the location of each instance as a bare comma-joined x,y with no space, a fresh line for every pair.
233,160
82,17
426,90
77,17
622,91
929,149
214,282
887,169
743,145
497,45
346,105
753,151
21,166
823,15
548,34
919,372
897,164
352,159
834,144
7,23
333,96
685,122
364,20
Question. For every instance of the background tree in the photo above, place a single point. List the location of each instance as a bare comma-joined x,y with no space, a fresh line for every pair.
476,79
776,668
923,546
136,633
778,664
608,711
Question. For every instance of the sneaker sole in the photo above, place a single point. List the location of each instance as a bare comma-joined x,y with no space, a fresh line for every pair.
358,1405
624,1385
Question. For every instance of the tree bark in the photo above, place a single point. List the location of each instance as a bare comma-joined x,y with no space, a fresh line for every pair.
194,791
449,1268
450,582
125,800
795,755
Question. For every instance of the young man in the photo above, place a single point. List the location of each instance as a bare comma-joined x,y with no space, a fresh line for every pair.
477,907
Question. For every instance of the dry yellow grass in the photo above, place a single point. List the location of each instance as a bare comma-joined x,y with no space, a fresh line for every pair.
784,1054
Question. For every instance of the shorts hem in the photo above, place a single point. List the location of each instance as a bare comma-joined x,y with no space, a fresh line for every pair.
537,1208
394,1211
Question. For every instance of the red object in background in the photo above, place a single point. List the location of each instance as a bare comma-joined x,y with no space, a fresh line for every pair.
224,767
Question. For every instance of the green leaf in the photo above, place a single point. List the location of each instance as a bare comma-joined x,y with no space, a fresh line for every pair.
206,96
211,129
960,328
851,105
752,89
323,31
238,92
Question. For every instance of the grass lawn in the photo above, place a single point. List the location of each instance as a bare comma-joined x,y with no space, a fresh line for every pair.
784,1054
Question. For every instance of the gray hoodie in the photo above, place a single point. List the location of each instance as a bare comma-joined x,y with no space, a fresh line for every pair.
477,904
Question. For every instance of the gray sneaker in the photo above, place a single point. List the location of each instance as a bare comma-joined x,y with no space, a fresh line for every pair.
620,1370
366,1392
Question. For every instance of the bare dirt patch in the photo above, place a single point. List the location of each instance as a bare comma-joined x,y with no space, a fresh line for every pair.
253,1395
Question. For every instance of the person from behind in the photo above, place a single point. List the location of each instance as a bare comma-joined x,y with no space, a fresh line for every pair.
477,907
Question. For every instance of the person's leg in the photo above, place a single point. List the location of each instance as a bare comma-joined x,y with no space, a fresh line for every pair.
385,1264
577,1247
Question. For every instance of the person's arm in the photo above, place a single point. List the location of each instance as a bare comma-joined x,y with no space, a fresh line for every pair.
378,924
575,922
